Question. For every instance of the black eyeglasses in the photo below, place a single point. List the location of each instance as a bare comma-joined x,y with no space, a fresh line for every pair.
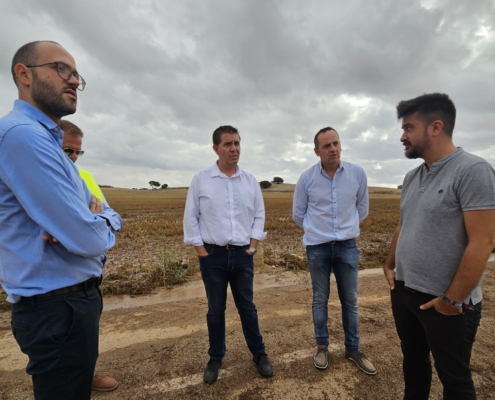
70,150
64,72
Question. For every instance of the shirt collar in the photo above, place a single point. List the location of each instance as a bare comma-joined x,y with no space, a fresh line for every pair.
445,159
34,113
341,166
215,172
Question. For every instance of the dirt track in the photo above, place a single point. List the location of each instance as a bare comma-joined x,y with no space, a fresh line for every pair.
156,346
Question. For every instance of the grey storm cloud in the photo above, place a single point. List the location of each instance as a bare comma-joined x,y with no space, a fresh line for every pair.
162,75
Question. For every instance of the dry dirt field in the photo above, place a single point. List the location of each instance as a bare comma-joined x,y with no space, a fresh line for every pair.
155,345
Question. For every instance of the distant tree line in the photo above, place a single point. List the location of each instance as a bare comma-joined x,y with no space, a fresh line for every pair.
267,184
156,184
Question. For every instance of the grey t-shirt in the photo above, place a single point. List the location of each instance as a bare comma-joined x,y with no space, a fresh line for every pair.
433,237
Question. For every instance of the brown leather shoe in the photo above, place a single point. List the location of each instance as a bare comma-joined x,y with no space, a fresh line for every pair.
320,358
361,361
102,383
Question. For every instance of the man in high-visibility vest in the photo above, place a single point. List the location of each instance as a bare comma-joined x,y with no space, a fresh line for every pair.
71,145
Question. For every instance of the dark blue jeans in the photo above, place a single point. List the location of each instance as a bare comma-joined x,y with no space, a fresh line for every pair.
343,259
449,338
60,336
221,267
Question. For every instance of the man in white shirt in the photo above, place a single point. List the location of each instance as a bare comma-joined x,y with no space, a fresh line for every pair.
224,220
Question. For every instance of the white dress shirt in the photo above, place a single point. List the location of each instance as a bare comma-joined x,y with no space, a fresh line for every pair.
222,210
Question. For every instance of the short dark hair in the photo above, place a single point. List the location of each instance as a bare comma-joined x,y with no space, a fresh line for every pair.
217,133
27,55
70,128
323,130
430,107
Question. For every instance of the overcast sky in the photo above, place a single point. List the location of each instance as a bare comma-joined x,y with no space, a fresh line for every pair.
162,75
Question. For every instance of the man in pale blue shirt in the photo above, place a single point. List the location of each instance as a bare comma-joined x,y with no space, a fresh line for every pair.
224,220
52,283
330,200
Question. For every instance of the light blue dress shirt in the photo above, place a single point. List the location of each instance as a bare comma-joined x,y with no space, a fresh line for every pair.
330,209
41,192
222,210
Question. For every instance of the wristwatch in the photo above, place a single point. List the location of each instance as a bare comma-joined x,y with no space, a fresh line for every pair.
253,250
448,301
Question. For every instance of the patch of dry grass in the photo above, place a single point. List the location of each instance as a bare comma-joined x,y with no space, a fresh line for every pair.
4,304
150,252
377,230
167,270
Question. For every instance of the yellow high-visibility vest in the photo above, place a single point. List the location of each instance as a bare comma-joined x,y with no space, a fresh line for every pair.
91,184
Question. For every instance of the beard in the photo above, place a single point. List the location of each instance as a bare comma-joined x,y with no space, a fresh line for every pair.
50,100
418,149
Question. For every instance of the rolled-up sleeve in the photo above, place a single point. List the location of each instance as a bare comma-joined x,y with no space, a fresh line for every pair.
257,229
362,198
113,218
192,233
300,202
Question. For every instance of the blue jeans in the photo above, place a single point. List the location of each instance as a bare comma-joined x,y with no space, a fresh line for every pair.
343,258
221,267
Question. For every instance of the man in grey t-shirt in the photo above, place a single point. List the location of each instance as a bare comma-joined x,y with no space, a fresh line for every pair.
439,250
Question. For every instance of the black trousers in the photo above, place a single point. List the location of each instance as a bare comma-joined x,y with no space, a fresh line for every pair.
60,336
449,338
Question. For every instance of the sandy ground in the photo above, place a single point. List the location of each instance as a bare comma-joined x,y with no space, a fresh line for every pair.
156,346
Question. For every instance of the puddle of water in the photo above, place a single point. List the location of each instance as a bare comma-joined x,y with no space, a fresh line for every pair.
188,291
194,290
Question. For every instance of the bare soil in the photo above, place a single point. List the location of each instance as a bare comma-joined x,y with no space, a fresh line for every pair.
155,346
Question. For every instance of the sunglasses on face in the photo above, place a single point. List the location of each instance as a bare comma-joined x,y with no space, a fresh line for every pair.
69,151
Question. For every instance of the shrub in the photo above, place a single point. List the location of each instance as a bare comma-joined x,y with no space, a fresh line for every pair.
167,270
265,184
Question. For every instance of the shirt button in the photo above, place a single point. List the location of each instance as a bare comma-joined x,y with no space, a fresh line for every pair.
335,216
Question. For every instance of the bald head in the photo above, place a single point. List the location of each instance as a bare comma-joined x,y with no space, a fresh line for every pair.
46,77
27,55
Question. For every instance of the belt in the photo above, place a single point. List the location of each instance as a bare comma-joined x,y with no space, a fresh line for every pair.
337,241
92,282
228,246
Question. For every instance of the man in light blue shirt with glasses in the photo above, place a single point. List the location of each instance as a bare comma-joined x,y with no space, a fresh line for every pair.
330,200
53,284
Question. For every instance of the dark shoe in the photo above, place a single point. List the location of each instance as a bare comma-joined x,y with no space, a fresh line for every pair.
361,361
264,365
320,359
211,371
102,383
